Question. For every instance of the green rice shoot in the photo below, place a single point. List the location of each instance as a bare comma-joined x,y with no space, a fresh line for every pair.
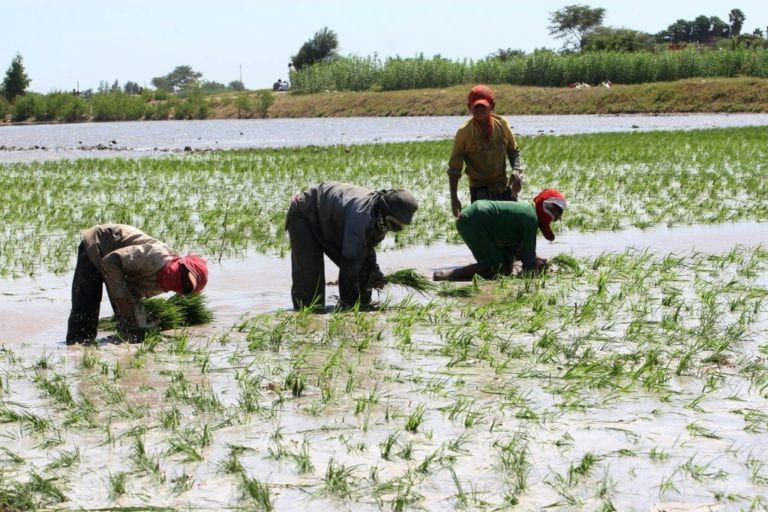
409,278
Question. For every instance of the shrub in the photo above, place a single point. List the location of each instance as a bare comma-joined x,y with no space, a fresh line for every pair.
29,106
161,94
266,98
117,106
244,105
64,106
5,108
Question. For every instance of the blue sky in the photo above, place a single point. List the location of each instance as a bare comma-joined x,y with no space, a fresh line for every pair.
80,43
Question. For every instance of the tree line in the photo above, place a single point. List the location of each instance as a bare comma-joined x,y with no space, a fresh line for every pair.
317,65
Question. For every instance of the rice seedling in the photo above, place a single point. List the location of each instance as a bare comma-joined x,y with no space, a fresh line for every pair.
144,462
632,336
410,278
701,472
189,443
256,494
35,492
295,382
757,473
566,263
57,389
514,462
339,480
118,484
387,445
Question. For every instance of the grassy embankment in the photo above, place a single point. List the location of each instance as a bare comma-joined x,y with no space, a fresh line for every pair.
744,94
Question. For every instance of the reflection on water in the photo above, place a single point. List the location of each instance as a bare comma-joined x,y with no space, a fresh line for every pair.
150,138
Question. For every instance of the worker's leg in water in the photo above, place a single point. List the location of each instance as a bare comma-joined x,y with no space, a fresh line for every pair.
307,265
483,248
87,289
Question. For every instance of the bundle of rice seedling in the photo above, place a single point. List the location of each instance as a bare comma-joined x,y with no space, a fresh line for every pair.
566,262
164,313
194,311
409,278
171,313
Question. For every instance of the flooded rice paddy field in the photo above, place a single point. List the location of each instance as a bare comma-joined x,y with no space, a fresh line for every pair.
633,376
634,380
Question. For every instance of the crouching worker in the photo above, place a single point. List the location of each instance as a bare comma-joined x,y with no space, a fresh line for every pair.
498,232
133,266
344,222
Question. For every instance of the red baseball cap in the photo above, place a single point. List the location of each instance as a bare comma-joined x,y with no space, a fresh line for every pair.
481,95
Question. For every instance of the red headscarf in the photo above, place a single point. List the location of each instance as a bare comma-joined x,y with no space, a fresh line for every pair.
170,277
542,201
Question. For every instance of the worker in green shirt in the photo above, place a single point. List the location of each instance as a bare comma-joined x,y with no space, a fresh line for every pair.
498,232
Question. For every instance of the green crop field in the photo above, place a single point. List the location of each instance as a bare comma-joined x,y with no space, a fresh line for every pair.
629,380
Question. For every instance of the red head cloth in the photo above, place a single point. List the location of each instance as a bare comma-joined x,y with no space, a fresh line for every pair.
481,95
170,277
544,202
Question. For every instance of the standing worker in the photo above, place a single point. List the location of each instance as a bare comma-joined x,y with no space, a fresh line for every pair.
497,232
344,222
133,266
481,148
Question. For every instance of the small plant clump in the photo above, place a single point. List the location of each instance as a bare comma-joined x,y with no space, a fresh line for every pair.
410,278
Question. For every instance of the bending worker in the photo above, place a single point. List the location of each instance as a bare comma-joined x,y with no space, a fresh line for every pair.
133,266
499,232
482,147
344,222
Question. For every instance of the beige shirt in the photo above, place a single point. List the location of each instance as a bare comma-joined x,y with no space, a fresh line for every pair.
128,259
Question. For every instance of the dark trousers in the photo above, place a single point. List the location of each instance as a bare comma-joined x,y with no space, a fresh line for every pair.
87,289
476,193
307,263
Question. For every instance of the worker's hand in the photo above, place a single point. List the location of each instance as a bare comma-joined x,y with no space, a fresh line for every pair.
125,309
515,183
541,264
132,333
455,206
376,279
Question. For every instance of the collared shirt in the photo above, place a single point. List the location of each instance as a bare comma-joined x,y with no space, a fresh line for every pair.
484,159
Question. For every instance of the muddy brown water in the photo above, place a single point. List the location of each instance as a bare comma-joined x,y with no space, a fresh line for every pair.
33,311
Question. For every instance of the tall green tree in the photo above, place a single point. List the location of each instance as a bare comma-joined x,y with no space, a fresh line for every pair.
701,29
322,47
16,80
718,28
573,22
617,40
736,17
180,78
